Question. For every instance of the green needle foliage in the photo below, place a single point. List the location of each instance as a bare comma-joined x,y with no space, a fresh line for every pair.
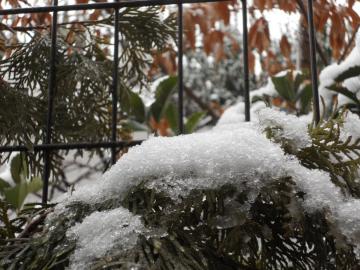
223,228
82,103
329,151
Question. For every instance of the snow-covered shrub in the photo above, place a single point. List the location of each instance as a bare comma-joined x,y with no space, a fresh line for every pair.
276,193
343,79
291,90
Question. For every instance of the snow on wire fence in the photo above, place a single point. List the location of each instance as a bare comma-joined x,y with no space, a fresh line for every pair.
114,144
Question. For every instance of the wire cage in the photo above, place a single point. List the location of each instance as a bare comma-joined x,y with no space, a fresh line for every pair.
115,144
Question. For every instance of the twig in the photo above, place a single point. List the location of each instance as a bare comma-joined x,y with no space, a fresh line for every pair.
43,27
34,223
348,46
5,219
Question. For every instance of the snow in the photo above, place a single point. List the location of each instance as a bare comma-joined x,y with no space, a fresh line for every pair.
330,73
100,232
236,113
351,127
233,114
236,153
5,174
5,170
268,89
210,156
148,97
293,128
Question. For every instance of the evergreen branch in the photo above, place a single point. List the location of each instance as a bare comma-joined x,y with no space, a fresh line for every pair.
82,105
82,23
5,219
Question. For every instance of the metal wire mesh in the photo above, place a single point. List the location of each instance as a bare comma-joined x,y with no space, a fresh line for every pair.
114,144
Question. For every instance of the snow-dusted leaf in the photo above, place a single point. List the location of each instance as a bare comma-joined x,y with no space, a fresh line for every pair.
351,72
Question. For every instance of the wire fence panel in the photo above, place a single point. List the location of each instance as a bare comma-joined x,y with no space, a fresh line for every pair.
115,144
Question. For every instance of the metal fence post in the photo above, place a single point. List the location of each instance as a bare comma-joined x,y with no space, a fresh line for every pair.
180,68
114,90
314,78
49,118
246,61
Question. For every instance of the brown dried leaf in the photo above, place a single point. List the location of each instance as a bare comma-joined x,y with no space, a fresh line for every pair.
337,34
260,4
259,35
353,17
95,15
189,29
222,11
285,47
212,41
25,20
287,6
251,58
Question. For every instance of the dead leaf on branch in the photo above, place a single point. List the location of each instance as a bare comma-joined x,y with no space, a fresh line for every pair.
285,47
337,34
259,35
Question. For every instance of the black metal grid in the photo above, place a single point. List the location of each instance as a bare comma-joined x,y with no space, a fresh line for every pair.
114,144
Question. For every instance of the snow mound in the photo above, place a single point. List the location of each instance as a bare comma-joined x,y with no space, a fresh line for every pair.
268,89
100,232
233,114
207,159
236,113
241,156
293,127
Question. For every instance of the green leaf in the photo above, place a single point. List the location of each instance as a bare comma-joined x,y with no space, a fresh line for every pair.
25,167
299,78
193,121
351,72
172,116
305,96
344,91
137,107
15,168
124,99
162,96
132,104
16,195
284,86
3,185
264,98
34,185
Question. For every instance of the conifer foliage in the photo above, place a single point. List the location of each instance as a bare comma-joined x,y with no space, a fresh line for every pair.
224,227
82,103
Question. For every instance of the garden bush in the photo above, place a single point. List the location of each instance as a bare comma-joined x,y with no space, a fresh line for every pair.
277,193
